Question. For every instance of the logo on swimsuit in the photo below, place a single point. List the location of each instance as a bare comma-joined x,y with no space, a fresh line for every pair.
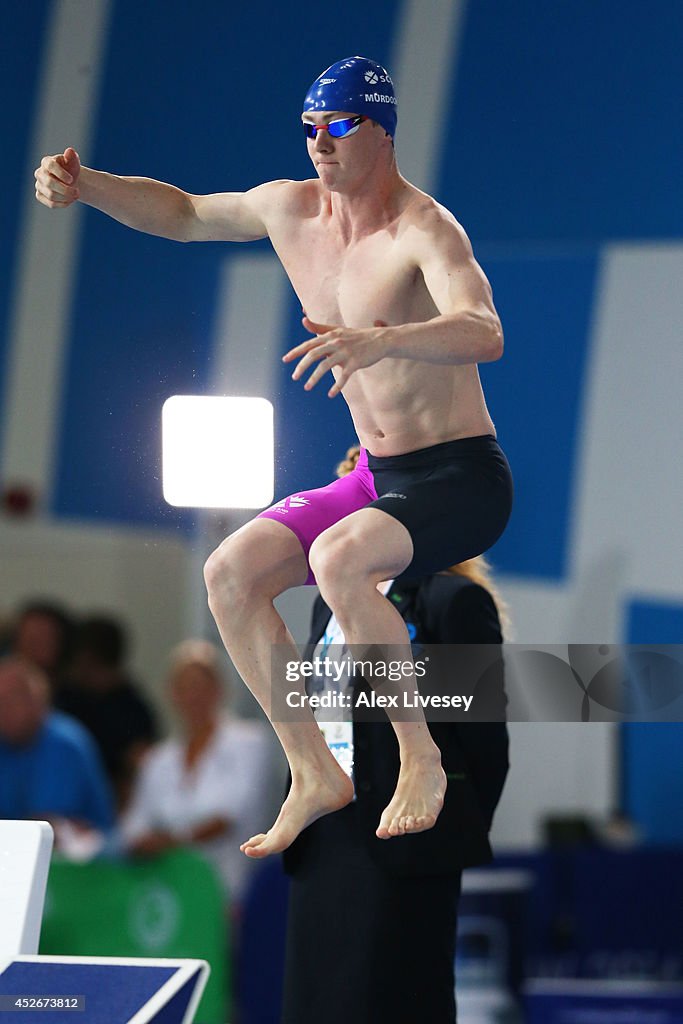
393,494
293,501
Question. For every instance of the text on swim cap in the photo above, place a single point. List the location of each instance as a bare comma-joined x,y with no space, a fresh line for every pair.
378,97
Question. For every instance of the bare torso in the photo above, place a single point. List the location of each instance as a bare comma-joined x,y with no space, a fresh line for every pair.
397,405
359,244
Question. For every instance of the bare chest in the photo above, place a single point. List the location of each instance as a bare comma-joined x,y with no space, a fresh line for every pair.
353,284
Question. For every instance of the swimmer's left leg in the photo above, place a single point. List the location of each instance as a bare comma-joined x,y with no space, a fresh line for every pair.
349,560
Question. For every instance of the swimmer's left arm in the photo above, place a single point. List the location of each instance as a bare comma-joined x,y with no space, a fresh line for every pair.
467,328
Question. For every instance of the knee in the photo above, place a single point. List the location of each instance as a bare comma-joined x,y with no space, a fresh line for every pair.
226,574
333,563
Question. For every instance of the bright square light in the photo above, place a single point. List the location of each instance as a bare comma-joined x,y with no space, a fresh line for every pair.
217,452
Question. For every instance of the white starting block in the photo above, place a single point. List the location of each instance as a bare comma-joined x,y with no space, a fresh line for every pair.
25,850
75,990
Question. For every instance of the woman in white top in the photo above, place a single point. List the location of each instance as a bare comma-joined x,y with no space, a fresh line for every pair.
205,788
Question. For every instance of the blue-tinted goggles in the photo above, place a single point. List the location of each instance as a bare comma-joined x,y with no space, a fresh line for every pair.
337,129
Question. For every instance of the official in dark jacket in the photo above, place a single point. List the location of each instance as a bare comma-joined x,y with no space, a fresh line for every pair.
372,922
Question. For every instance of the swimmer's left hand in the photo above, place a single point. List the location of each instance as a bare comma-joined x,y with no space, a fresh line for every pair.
347,348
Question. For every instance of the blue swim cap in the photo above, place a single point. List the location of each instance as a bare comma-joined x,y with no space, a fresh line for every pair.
358,85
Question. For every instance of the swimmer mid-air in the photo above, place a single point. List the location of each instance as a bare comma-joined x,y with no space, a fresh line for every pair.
401,314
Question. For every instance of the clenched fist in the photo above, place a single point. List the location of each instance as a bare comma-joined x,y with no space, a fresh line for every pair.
57,179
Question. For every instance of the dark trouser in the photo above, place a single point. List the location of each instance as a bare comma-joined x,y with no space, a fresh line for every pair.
364,947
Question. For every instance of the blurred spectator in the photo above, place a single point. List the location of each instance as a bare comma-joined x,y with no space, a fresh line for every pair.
206,787
42,634
100,694
50,768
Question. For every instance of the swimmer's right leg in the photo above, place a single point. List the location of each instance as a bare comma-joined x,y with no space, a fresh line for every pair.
243,577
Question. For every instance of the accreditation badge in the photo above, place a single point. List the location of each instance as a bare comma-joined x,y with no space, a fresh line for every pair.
337,732
339,738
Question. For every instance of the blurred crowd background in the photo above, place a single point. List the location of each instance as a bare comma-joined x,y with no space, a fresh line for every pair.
551,130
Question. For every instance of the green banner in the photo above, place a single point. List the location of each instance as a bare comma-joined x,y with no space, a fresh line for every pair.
171,906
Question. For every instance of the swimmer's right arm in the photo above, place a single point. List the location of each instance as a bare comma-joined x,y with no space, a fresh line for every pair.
153,206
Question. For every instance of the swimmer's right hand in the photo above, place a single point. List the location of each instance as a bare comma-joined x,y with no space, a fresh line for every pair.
57,179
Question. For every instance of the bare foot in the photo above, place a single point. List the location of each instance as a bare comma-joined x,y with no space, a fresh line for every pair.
307,800
417,800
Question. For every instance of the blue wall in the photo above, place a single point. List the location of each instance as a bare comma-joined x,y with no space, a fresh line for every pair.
21,49
653,751
561,135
